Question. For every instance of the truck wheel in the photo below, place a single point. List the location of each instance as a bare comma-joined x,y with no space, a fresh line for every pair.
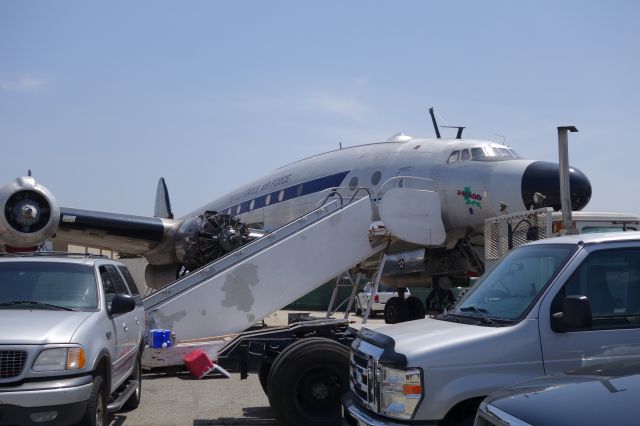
415,308
395,310
96,414
134,400
263,374
307,381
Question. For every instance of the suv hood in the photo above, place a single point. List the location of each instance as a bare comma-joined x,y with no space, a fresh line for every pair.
39,326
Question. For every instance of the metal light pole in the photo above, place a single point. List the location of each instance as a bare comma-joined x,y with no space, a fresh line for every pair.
565,189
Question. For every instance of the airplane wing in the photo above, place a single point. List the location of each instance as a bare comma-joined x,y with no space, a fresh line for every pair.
123,233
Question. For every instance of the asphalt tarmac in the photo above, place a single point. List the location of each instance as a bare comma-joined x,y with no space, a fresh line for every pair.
173,397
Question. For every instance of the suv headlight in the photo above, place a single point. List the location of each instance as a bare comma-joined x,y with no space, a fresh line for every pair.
54,359
400,391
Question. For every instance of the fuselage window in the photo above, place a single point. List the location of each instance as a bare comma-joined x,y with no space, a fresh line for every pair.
252,204
299,190
353,183
267,200
465,155
453,157
375,178
238,209
281,195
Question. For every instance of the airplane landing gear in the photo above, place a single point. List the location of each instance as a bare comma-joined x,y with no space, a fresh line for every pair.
398,309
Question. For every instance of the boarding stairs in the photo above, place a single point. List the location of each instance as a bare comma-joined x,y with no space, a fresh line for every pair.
230,294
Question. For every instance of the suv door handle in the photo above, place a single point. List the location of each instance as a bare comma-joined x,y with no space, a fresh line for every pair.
124,326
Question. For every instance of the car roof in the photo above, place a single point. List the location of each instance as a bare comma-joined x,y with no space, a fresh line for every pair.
58,257
595,238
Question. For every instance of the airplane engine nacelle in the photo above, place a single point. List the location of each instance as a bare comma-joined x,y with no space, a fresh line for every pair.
405,262
159,276
207,237
30,215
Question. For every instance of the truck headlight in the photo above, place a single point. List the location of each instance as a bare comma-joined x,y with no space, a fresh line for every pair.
59,359
400,391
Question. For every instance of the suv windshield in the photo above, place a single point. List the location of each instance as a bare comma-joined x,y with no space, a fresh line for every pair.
47,285
510,289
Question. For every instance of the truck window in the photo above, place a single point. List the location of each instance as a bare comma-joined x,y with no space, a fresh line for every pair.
511,288
112,283
130,281
611,281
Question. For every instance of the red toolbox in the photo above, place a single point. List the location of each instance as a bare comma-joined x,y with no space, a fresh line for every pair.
198,363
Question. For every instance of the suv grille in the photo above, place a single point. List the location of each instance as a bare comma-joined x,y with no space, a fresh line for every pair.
11,363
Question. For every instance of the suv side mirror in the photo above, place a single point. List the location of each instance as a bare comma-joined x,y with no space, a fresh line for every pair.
121,304
575,315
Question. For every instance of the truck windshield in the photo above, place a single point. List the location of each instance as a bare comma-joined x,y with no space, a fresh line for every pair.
508,291
47,285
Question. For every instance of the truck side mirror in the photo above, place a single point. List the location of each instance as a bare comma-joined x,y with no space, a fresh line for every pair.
575,315
121,304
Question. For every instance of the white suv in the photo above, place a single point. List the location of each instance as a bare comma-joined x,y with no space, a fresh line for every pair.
71,339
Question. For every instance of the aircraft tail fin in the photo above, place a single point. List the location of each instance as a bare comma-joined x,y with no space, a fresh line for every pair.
163,204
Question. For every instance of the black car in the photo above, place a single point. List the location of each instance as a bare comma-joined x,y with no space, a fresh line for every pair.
602,394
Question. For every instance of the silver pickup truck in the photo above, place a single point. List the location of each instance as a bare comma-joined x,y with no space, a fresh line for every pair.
71,339
548,306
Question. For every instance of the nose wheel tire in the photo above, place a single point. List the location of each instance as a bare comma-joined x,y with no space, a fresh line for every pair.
395,310
307,381
415,308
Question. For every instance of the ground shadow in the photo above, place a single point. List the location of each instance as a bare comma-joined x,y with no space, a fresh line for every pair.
252,416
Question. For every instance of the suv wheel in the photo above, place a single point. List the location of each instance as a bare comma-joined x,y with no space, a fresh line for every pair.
134,400
96,414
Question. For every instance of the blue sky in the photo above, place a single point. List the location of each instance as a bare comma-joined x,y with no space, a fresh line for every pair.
101,99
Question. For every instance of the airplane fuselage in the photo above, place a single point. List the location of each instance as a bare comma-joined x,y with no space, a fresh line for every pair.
470,186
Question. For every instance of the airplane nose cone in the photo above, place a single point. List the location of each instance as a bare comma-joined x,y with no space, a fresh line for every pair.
544,177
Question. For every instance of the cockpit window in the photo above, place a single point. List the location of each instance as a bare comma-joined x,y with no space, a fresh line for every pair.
477,153
490,153
453,157
465,155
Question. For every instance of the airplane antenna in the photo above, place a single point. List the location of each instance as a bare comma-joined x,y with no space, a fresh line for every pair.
29,172
435,123
460,129
340,144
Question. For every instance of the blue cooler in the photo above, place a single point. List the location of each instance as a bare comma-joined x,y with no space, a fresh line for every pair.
159,336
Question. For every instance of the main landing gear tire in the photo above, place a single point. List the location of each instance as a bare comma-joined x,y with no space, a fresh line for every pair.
307,381
395,310
415,308
96,414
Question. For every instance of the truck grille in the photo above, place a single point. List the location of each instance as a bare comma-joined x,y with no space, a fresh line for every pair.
363,379
11,363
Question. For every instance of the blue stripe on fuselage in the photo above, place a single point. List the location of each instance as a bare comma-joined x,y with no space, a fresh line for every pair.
289,193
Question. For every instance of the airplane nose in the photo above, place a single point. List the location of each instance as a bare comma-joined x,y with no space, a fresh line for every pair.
544,177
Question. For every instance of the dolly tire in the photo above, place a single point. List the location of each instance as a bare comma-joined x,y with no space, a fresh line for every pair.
307,381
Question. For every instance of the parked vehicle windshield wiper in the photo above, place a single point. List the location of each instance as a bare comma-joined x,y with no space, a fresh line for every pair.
36,303
480,311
